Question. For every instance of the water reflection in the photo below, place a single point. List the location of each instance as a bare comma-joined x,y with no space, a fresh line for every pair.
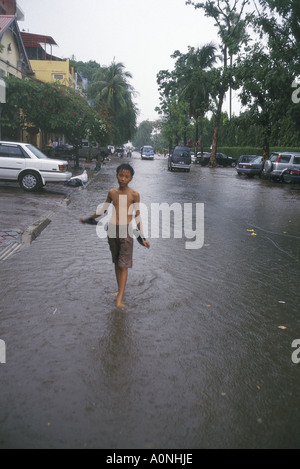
116,348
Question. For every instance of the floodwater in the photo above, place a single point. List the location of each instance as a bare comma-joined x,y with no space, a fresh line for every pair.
196,360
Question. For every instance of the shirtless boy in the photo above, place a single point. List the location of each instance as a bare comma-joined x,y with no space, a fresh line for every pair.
125,201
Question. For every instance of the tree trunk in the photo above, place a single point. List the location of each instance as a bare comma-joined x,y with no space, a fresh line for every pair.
98,166
76,156
267,135
213,157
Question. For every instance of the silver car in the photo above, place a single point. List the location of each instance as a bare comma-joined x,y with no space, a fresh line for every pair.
27,165
250,165
279,163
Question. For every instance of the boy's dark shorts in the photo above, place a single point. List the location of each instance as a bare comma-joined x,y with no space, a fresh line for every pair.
121,248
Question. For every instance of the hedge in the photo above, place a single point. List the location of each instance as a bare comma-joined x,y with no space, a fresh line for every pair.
236,152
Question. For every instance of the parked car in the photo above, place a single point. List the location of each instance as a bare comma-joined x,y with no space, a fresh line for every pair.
279,163
290,176
224,160
221,158
250,165
180,159
87,149
147,153
203,159
64,149
27,165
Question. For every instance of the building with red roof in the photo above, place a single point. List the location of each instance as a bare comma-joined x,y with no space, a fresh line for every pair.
13,59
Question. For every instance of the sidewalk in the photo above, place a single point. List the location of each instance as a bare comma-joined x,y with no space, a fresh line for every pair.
24,215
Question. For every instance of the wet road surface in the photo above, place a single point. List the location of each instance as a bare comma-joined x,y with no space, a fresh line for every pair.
196,360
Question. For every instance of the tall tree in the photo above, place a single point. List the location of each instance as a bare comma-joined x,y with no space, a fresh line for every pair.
268,68
231,21
194,82
187,89
143,135
111,86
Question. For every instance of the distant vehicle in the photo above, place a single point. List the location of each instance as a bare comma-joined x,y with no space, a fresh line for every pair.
250,165
64,149
279,163
27,165
180,159
147,153
87,149
221,158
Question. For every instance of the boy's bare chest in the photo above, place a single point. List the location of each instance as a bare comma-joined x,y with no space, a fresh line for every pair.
123,200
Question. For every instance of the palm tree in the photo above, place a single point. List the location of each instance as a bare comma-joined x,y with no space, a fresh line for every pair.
111,88
194,81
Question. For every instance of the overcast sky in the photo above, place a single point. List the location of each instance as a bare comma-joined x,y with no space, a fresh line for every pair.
142,34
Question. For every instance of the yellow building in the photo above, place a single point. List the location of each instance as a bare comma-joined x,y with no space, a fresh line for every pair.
50,71
47,68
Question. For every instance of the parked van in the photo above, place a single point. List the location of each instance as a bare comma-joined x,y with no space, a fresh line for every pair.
180,158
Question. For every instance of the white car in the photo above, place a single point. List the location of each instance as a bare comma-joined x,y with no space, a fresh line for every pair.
25,164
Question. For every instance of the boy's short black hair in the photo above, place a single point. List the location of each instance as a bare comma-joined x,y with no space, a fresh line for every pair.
125,167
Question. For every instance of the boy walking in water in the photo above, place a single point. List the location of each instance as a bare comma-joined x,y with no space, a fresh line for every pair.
125,201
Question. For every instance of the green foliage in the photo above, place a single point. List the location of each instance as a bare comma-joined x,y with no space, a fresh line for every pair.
51,108
260,59
109,86
186,92
143,134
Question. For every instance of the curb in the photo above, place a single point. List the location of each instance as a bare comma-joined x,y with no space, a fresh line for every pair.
31,232
34,230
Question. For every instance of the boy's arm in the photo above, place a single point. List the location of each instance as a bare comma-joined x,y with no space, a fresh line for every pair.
138,219
101,210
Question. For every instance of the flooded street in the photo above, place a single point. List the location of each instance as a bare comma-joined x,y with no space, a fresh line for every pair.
197,358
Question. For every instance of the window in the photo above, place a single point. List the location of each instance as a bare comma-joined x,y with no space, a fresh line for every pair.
9,151
285,159
58,76
297,160
37,152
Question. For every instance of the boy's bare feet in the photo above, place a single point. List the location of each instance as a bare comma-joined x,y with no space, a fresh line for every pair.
119,303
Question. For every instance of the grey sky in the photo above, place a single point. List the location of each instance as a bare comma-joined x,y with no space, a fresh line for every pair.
140,33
